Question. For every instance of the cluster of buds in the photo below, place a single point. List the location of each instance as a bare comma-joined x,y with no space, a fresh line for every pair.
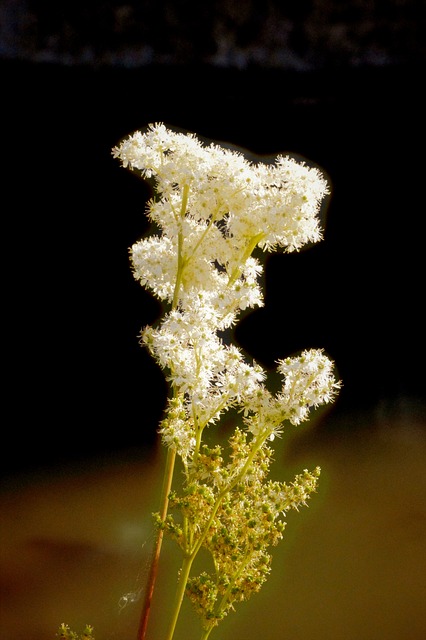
212,209
65,633
236,513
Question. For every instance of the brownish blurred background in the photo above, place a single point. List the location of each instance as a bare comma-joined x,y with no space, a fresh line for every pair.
81,462
75,546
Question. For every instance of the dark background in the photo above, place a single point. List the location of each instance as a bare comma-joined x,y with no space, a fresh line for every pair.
342,87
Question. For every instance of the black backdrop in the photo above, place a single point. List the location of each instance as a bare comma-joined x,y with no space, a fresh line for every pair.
76,382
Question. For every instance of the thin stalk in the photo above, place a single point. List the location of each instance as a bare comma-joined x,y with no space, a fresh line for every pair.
171,457
183,579
206,633
225,596
246,254
180,264
167,483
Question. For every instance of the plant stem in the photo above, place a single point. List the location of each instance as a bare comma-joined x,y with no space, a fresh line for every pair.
180,264
171,456
206,633
183,579
167,483
246,254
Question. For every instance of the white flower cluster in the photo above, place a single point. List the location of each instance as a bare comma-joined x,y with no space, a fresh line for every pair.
212,208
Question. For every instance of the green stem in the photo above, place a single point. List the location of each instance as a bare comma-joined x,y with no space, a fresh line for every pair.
225,596
206,633
246,254
202,237
183,579
180,264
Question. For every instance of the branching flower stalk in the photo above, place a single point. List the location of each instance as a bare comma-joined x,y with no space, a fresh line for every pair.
211,210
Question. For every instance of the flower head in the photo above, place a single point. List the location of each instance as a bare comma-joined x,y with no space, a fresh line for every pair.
213,208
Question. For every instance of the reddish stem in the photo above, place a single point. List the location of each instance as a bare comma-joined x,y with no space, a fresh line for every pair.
167,483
